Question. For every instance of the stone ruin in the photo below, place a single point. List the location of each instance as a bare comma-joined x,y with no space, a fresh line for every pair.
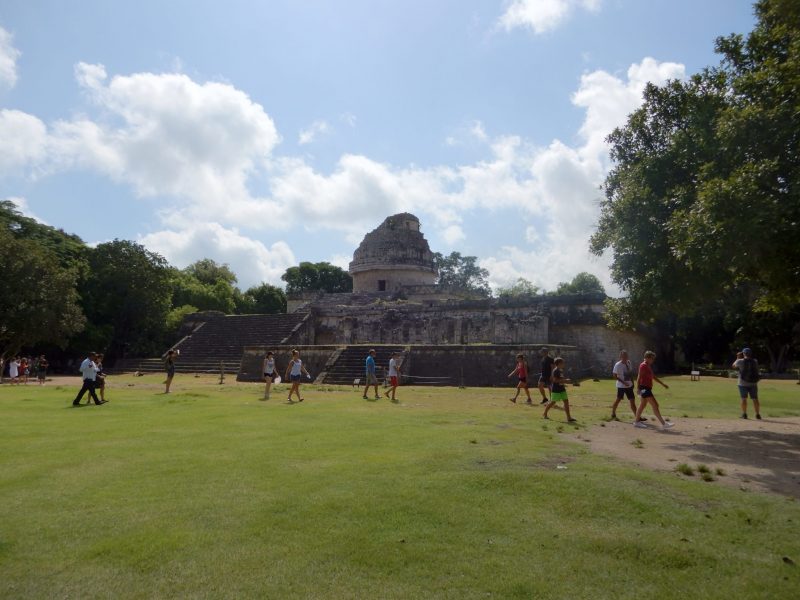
444,335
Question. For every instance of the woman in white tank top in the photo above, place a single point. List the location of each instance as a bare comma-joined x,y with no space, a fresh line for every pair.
294,372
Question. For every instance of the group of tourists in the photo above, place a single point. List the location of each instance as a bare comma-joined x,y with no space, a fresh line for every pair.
21,369
552,379
551,383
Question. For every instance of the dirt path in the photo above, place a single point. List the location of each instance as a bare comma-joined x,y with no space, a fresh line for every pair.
755,455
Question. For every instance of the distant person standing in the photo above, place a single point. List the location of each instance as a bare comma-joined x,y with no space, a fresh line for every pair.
748,381
371,376
41,369
13,370
294,373
521,371
544,376
623,373
169,365
270,373
394,375
89,373
645,381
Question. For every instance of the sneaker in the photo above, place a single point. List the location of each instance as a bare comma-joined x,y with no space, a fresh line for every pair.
667,425
640,425
529,402
614,418
572,420
365,398
744,415
758,416
544,401
514,400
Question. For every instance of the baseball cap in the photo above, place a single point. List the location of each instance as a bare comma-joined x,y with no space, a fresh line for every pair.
746,351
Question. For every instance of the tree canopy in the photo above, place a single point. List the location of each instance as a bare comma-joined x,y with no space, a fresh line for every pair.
462,272
703,202
317,277
520,288
582,283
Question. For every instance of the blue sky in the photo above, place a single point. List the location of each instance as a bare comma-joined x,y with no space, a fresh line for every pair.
261,134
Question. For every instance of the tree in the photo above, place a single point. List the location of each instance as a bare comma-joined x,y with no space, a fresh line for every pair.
462,272
521,287
261,299
128,290
209,272
582,283
317,277
38,299
702,202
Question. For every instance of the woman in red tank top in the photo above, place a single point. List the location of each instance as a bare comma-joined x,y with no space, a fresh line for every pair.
521,371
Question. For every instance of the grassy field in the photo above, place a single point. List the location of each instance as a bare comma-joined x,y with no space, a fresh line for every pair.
211,493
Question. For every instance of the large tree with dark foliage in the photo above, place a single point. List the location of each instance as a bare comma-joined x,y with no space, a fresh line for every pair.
317,277
462,272
703,200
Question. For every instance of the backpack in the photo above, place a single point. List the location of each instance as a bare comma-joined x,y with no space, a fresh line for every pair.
749,371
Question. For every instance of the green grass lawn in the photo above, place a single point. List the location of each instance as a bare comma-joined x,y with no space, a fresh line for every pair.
210,492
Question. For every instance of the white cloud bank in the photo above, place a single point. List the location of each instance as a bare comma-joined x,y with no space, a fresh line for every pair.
541,16
199,147
312,132
8,60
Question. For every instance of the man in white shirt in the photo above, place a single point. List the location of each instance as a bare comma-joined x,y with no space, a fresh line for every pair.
394,376
89,372
13,370
623,374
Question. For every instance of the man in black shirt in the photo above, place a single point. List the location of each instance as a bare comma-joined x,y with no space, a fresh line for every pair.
544,377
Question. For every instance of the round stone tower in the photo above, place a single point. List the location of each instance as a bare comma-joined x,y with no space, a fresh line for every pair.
393,255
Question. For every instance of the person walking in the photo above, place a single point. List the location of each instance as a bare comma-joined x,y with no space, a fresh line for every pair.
394,375
13,370
747,366
270,373
558,392
645,383
546,373
294,372
89,373
521,371
371,376
623,374
169,365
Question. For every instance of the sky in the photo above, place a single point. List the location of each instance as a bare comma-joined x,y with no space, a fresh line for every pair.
261,134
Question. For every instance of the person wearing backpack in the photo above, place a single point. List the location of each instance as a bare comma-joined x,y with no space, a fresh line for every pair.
748,381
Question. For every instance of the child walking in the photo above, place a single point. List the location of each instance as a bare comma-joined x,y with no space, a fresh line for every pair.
521,371
645,385
270,373
294,372
394,376
558,393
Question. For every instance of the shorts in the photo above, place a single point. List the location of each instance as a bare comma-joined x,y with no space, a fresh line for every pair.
372,379
393,381
295,378
744,390
523,380
270,376
646,392
171,372
626,392
558,396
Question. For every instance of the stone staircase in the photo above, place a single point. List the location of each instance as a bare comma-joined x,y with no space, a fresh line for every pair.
221,341
348,363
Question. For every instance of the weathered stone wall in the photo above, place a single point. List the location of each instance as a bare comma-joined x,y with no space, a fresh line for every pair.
394,278
601,344
482,366
314,359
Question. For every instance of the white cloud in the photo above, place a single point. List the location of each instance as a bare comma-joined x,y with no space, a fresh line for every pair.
8,59
23,141
542,15
453,234
532,235
348,118
250,259
313,131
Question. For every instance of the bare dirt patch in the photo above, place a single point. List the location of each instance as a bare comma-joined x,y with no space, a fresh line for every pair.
754,455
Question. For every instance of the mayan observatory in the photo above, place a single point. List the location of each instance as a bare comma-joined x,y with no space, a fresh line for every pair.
445,336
